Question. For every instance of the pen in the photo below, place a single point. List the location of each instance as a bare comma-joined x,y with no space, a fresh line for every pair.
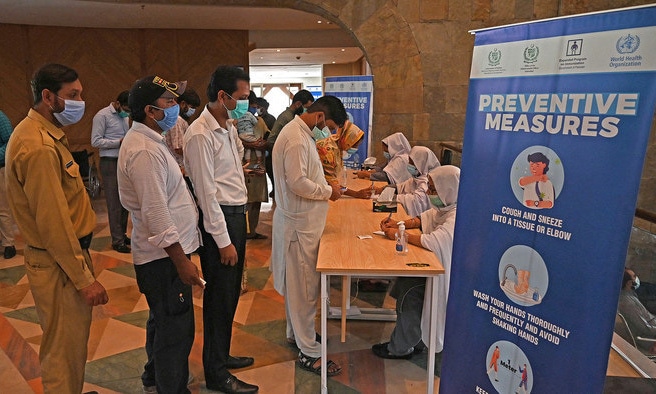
389,217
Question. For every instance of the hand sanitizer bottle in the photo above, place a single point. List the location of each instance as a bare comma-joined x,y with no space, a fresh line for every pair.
401,240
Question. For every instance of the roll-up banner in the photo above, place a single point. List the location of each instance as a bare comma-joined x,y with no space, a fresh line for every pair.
356,92
558,119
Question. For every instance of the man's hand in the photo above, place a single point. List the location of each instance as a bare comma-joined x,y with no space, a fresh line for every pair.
388,223
254,171
188,273
228,255
94,294
336,194
363,193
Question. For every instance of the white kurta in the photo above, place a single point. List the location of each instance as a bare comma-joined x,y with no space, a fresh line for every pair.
302,195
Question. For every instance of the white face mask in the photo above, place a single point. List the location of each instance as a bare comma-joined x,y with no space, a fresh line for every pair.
72,113
636,283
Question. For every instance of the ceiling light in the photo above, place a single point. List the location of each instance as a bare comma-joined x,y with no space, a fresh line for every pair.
277,50
333,62
318,21
343,50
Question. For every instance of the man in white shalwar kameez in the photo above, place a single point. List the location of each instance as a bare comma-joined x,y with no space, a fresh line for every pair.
302,195
437,226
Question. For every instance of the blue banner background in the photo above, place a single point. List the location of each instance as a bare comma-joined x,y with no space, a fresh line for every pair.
596,204
356,94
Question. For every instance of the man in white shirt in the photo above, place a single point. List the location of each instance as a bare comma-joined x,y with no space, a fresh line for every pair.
213,162
164,233
109,127
302,195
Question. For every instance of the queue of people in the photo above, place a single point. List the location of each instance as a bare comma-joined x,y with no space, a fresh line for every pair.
187,188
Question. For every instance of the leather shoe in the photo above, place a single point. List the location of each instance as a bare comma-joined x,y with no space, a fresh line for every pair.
127,241
239,362
232,385
121,248
381,350
10,251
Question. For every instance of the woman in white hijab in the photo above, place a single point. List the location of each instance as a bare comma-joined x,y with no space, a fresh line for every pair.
412,193
396,149
437,226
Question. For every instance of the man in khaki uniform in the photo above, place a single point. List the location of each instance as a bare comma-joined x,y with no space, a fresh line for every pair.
54,214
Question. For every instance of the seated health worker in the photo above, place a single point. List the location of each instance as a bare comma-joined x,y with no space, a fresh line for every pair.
412,193
437,226
396,149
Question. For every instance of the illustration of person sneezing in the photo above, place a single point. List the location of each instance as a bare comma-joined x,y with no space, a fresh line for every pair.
538,189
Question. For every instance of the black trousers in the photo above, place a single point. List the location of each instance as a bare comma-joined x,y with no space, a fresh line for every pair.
170,327
221,293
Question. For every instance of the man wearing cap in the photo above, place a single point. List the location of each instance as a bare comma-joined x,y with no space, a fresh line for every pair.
54,215
109,127
164,232
213,162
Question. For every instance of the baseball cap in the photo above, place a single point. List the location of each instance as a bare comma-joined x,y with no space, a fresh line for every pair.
146,90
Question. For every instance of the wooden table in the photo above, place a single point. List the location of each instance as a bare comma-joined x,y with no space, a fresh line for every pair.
342,253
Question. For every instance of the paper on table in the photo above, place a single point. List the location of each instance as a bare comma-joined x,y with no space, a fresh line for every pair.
365,236
379,233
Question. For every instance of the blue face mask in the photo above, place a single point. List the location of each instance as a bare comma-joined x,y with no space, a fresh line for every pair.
436,201
252,110
387,155
320,134
348,153
170,117
72,113
239,111
413,170
190,112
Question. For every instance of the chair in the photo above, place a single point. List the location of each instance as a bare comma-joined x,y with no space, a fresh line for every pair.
88,171
622,329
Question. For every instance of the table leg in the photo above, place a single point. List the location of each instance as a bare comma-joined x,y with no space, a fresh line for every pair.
324,337
346,283
432,280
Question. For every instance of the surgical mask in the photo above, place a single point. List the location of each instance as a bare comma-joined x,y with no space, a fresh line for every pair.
72,113
320,134
190,112
170,117
239,111
304,110
413,170
252,110
123,114
348,153
636,283
387,155
436,201
259,111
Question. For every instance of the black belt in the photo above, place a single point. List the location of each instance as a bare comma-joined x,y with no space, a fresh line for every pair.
108,158
233,209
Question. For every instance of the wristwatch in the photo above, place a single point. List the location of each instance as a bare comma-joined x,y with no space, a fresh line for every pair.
536,203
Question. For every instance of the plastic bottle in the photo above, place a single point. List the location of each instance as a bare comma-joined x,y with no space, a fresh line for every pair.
401,240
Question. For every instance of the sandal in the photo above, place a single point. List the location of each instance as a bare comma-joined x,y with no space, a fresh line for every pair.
308,363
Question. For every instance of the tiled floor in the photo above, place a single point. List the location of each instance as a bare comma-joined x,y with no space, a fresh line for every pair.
116,354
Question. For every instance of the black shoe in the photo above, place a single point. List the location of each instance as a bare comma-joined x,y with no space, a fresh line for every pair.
239,362
10,251
381,350
121,248
127,241
256,236
232,385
